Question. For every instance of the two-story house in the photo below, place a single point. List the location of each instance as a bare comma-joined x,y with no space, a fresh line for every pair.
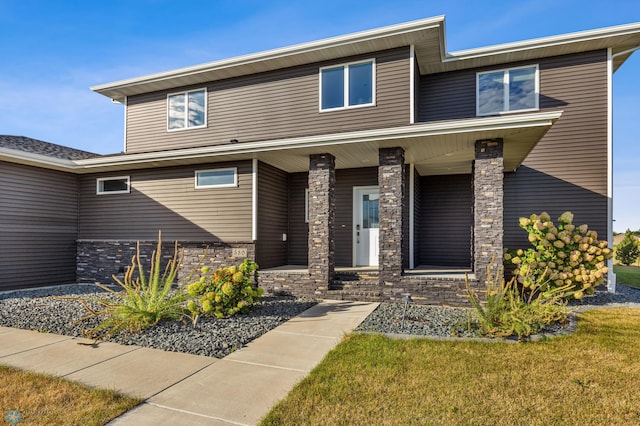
377,152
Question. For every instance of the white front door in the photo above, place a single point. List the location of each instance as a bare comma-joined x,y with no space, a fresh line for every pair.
365,226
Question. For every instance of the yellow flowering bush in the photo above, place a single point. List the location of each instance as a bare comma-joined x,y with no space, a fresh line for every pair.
565,255
225,292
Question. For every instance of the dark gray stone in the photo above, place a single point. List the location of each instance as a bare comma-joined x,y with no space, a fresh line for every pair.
392,181
322,206
488,206
98,261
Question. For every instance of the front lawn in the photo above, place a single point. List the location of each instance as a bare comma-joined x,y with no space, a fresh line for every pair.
34,399
588,378
629,275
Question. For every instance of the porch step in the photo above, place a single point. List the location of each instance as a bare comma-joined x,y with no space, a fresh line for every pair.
358,295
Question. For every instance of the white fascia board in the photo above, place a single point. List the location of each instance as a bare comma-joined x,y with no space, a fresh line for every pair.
576,37
416,130
38,160
297,49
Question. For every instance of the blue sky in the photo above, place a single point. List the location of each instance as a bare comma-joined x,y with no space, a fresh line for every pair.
51,52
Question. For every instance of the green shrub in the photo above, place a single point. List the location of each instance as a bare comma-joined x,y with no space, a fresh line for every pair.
628,250
563,256
508,310
224,292
143,301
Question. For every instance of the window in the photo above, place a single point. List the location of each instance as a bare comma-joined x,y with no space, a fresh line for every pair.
306,205
186,110
514,89
347,86
113,185
218,178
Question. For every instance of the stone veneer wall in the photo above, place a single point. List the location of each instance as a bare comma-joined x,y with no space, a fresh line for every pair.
391,180
292,283
423,290
322,207
488,205
97,261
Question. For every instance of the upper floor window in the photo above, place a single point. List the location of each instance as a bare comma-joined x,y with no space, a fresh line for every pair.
113,185
187,110
347,85
513,89
217,178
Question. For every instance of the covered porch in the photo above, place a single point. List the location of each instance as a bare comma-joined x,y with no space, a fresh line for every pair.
363,238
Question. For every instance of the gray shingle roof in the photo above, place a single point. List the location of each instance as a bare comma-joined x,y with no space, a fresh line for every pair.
35,146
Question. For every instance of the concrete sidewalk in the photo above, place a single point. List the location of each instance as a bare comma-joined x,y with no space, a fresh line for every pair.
236,390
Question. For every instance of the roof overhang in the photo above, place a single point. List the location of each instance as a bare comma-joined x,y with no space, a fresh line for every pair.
426,35
445,147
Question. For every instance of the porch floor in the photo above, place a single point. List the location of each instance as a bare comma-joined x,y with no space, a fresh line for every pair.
430,271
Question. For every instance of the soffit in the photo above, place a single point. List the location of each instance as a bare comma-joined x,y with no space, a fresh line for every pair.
445,147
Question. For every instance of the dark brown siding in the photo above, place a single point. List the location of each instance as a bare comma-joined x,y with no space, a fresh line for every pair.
278,104
38,226
568,168
346,179
273,216
298,247
417,216
444,227
167,199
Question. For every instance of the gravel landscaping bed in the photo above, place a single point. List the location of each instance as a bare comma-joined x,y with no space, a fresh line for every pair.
38,310
437,321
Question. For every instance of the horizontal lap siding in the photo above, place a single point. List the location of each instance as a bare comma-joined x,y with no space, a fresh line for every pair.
567,170
273,105
166,199
298,243
346,179
273,216
38,226
444,226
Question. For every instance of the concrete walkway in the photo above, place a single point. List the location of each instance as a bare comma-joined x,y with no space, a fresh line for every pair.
189,389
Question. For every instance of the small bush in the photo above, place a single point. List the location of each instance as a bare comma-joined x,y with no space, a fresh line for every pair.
508,310
143,302
628,250
224,292
566,256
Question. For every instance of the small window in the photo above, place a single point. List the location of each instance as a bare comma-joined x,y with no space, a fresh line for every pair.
113,185
514,89
186,110
347,86
217,178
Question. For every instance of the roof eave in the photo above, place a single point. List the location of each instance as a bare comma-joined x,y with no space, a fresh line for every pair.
117,90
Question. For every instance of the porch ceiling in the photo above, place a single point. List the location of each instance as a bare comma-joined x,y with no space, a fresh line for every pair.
437,154
445,147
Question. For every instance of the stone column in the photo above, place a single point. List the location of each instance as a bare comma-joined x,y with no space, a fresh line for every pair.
488,206
391,180
322,182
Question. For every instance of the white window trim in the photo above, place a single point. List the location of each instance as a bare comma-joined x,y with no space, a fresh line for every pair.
226,185
345,67
186,94
506,92
306,205
100,188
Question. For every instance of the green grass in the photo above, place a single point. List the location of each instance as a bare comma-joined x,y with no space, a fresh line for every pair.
629,275
47,400
588,378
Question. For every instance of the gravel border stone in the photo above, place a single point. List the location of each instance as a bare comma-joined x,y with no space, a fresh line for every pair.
399,320
37,309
